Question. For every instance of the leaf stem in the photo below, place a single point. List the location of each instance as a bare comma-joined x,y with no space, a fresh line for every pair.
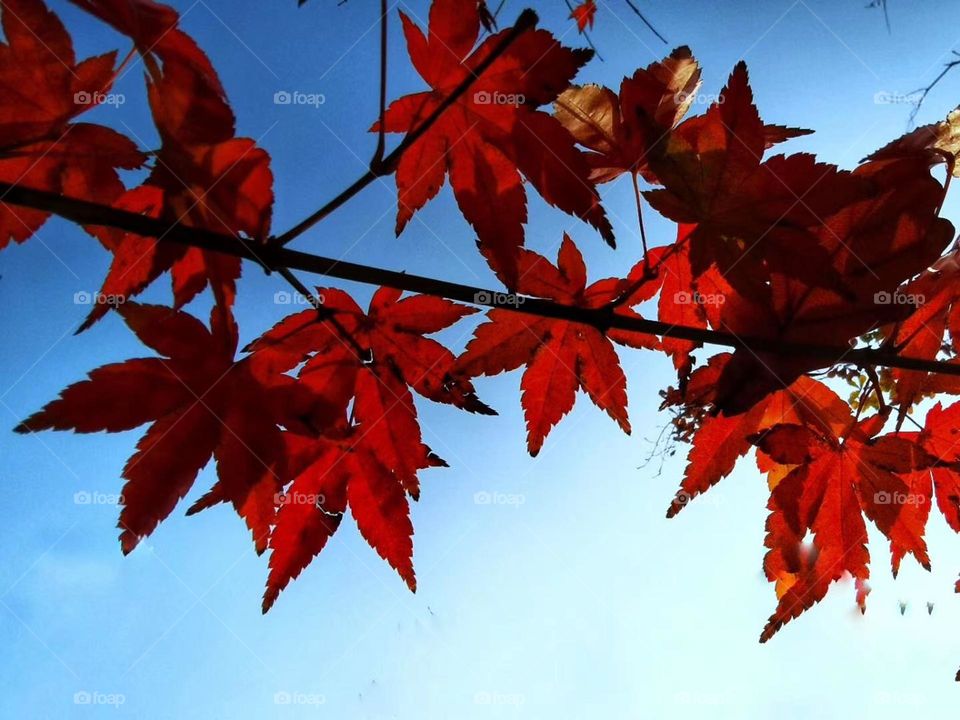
323,312
643,233
381,133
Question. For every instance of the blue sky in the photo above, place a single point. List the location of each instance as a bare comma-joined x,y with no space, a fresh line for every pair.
569,596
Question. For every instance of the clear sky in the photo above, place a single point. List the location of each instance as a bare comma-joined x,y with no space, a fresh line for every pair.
573,597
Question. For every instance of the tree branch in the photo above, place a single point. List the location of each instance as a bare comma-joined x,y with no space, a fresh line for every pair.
274,257
923,92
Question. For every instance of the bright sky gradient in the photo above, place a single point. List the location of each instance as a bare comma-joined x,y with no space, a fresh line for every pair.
570,596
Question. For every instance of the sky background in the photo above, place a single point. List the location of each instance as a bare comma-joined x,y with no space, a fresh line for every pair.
570,595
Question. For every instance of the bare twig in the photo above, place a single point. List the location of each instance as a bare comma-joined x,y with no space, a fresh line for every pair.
381,133
882,4
645,21
586,35
923,92
324,313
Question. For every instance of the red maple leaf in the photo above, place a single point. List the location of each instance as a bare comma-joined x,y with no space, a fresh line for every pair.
560,356
941,438
388,340
203,176
201,403
712,168
493,134
621,130
371,460
719,441
42,89
584,14
890,233
625,131
154,29
932,298
332,474
831,479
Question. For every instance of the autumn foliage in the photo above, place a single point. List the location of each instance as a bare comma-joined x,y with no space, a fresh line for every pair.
317,416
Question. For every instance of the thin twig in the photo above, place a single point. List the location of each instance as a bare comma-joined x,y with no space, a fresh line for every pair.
646,22
882,4
323,312
586,35
871,373
643,232
381,133
649,273
274,257
926,90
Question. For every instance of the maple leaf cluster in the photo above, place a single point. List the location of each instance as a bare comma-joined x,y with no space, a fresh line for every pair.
317,416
